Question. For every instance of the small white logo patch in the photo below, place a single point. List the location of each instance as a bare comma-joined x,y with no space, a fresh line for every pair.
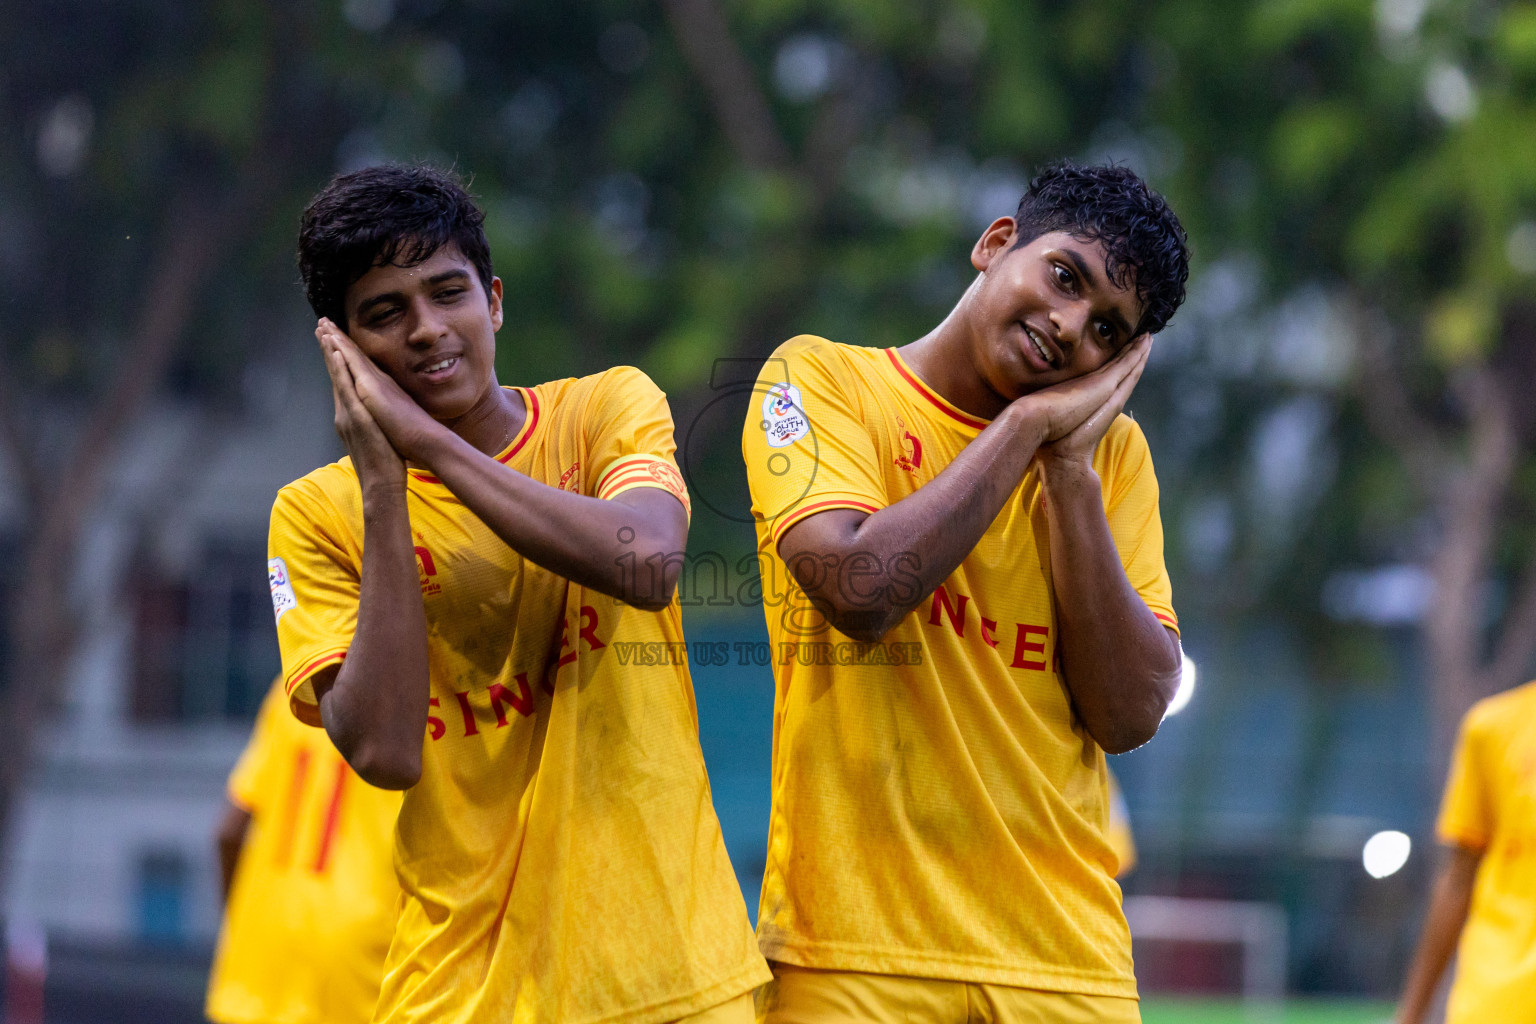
282,591
784,418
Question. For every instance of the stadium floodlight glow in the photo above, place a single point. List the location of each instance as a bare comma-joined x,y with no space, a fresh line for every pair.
1185,691
1385,853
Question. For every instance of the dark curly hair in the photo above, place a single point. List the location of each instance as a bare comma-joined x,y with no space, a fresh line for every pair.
1144,242
390,214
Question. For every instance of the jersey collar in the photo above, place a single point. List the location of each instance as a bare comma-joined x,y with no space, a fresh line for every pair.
956,416
530,421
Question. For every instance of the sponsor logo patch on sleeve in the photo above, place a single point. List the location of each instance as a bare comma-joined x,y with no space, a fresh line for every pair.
283,597
784,419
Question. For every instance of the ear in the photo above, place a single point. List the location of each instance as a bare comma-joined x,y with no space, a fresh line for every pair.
495,301
996,239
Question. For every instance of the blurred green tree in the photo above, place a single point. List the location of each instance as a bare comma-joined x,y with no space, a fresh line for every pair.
153,159
1379,160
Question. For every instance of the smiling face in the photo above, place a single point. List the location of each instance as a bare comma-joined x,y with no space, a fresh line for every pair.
1044,311
432,328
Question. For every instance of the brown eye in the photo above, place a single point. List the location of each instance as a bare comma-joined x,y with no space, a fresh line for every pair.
1063,276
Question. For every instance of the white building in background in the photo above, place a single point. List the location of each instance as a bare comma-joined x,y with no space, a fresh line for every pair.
113,834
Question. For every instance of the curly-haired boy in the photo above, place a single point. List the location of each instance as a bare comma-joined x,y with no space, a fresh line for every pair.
979,611
452,600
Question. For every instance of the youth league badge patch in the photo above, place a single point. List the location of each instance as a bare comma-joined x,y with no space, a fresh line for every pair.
784,418
282,591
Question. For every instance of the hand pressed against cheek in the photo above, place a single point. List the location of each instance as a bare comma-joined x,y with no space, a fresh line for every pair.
375,458
1075,413
403,421
1079,444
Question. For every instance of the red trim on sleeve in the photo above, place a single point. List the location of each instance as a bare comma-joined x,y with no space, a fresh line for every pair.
628,465
644,470
310,669
819,506
642,477
613,483
1463,839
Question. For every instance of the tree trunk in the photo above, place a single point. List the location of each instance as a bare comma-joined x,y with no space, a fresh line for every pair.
42,629
43,622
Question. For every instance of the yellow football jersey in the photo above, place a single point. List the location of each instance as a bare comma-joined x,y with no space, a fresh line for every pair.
560,857
1490,806
1118,830
937,809
313,902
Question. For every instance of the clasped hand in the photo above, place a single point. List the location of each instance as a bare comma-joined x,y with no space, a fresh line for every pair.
1076,414
378,422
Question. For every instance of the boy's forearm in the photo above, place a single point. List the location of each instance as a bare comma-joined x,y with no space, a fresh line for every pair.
1119,662
629,548
1449,904
915,544
230,839
375,707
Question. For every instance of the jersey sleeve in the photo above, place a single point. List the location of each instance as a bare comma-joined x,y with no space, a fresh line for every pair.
630,444
1466,809
1124,464
806,443
314,575
249,780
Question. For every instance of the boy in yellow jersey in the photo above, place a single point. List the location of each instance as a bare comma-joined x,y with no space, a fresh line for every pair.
309,881
1485,894
975,609
471,603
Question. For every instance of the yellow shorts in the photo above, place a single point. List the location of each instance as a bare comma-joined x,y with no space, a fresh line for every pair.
732,1011
802,995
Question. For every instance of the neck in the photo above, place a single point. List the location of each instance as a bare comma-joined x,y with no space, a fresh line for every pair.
943,359
492,422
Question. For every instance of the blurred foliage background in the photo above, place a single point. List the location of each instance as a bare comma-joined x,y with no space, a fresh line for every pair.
1336,413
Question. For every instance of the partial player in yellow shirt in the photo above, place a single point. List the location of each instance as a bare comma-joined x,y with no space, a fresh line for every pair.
1485,893
478,604
965,592
309,881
